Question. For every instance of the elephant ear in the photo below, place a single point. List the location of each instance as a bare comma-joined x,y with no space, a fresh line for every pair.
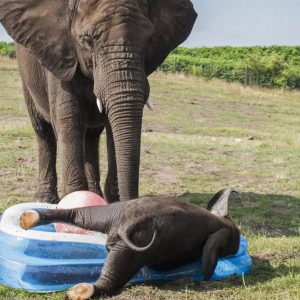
173,21
42,26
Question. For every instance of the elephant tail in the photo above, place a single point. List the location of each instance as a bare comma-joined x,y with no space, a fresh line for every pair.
124,235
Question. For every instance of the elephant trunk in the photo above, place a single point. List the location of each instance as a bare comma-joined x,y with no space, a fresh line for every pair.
123,89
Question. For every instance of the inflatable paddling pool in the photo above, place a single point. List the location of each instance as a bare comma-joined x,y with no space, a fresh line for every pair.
42,260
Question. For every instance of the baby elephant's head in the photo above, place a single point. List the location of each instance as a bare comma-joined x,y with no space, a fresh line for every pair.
226,239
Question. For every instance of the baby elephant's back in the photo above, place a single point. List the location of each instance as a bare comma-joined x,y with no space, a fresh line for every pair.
182,230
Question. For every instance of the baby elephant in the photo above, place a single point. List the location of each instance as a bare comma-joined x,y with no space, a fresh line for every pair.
161,232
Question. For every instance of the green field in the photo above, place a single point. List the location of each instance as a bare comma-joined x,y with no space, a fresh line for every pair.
202,136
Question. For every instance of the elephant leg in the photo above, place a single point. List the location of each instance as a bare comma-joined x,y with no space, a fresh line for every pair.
47,179
98,218
68,119
91,165
120,266
70,143
111,189
47,149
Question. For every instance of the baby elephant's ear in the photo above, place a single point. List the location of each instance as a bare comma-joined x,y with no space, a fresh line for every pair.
212,250
218,205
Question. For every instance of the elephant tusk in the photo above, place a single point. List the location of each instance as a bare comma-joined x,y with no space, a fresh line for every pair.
100,105
150,104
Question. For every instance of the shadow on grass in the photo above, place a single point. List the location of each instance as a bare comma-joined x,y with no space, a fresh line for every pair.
271,215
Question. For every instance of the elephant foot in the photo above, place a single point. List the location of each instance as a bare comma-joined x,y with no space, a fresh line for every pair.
95,188
111,194
80,291
68,189
29,219
51,198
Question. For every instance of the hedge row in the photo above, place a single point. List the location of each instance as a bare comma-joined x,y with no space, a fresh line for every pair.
276,66
7,49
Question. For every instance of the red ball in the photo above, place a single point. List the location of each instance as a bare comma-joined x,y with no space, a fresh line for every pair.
78,199
81,199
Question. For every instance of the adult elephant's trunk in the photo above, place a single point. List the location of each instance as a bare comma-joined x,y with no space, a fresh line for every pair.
121,84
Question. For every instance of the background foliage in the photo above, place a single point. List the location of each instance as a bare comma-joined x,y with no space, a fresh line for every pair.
275,66
7,49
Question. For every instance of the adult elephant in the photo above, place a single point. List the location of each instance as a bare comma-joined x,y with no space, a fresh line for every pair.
75,54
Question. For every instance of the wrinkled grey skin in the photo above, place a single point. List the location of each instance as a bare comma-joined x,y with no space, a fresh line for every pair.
161,232
72,52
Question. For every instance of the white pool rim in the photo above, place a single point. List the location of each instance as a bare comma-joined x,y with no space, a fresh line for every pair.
10,224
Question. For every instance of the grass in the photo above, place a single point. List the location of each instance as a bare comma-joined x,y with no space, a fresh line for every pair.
201,137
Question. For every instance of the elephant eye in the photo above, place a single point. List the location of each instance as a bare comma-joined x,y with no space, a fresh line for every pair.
86,41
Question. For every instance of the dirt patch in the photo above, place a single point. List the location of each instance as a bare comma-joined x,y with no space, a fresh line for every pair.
15,119
18,183
149,128
166,175
245,158
202,168
25,160
284,211
274,232
277,255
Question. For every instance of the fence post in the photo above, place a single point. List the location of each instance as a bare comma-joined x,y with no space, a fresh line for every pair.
247,79
175,63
